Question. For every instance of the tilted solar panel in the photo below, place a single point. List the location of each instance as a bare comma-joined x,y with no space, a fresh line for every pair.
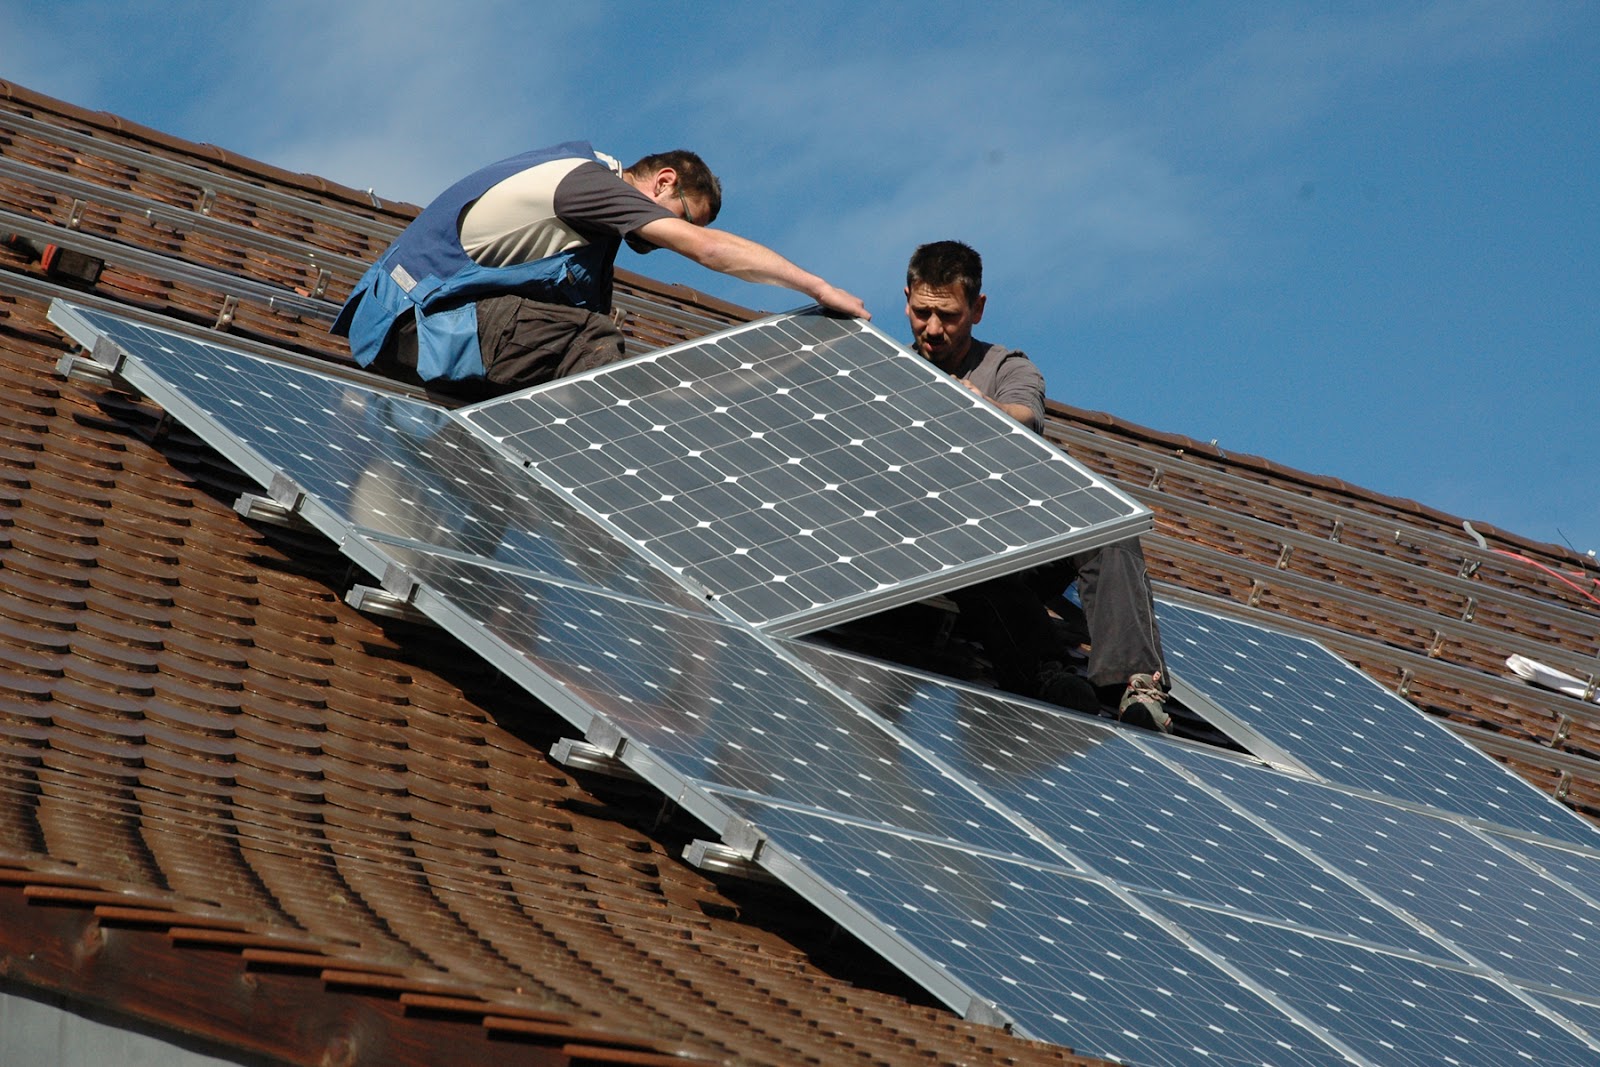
806,470
366,458
1338,723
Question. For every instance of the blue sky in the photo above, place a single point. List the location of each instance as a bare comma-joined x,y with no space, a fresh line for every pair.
1361,240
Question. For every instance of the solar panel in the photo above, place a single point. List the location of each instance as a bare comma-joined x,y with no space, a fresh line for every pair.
1066,959
1341,725
366,458
1496,911
1389,1008
806,469
1115,807
710,701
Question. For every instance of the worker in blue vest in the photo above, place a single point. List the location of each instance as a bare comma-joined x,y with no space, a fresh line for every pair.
504,280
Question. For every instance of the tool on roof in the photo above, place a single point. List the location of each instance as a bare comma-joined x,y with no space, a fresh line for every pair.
62,264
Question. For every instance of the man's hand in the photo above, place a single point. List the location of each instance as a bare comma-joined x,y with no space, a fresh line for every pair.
1021,412
743,258
835,299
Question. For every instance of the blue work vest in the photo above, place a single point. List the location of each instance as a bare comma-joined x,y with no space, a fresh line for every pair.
426,271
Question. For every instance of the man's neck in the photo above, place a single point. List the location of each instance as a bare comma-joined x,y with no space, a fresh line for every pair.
953,364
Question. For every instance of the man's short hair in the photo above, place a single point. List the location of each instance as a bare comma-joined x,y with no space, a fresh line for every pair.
694,177
944,263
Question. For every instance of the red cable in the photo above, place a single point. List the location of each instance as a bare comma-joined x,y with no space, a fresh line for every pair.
1555,573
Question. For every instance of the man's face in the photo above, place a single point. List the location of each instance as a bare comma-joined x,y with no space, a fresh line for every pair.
941,322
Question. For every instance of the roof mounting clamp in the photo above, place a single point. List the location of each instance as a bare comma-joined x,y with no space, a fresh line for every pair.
1155,479
98,367
208,199
371,601
1257,588
75,216
1470,610
1404,689
399,582
605,737
263,509
984,1013
1338,531
1469,567
713,858
1563,728
286,492
582,756
225,316
1283,557
321,285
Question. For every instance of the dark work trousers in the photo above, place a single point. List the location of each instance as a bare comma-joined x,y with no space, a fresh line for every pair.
1007,616
523,343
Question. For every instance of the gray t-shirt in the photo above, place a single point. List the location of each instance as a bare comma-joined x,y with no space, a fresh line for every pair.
1007,377
553,208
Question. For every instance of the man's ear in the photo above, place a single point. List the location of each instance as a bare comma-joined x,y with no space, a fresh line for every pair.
977,308
665,178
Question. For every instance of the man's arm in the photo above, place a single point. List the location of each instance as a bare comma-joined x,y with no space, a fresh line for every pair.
728,253
1023,413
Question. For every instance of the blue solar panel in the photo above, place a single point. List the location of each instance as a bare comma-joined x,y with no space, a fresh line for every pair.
1387,1008
1068,960
370,459
1115,806
1475,897
712,700
806,470
1343,726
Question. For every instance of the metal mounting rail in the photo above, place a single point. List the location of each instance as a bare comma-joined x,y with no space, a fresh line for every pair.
33,287
251,191
160,213
1535,609
1444,546
166,268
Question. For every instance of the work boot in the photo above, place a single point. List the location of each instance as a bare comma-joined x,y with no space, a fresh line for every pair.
1064,688
1144,704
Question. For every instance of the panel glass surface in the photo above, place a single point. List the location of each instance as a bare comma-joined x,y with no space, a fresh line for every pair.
807,468
1068,960
1578,870
1118,810
1388,1008
376,460
1347,728
1493,908
1585,1015
713,700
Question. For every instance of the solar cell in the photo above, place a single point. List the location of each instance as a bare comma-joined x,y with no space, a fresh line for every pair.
1388,1008
1068,960
368,458
1480,899
1115,807
806,469
1343,726
712,701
